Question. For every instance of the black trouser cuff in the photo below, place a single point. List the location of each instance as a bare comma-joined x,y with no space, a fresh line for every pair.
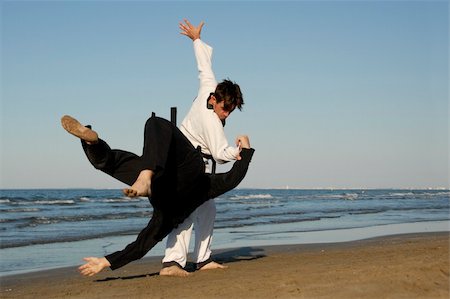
201,264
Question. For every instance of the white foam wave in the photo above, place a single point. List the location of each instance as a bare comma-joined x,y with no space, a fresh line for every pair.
23,210
123,199
400,194
350,196
253,196
426,195
437,194
334,196
54,202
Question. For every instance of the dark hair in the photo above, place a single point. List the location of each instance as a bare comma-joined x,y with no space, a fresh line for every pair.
229,92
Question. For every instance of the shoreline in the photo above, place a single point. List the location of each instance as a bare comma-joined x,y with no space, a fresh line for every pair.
51,256
412,265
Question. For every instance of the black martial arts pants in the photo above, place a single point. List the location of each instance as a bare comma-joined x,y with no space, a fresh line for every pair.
178,187
178,169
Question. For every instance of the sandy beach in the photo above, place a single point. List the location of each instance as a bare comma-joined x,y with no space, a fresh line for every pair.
402,266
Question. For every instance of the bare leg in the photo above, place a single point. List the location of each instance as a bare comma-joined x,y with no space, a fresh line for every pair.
213,265
174,271
142,185
93,266
74,127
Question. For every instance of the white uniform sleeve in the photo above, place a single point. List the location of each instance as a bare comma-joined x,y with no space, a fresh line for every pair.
203,55
217,143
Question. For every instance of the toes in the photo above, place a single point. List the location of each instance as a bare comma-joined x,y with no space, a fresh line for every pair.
130,192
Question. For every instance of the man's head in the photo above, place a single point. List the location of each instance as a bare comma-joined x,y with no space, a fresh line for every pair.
226,98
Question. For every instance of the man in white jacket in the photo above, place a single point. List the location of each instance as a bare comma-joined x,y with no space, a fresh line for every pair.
203,126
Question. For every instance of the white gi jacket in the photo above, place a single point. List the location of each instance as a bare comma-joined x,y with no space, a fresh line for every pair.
201,125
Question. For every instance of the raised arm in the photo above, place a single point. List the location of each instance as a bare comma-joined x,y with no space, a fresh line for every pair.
203,54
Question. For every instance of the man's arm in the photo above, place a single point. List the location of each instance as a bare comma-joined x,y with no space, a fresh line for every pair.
203,55
209,134
217,143
224,182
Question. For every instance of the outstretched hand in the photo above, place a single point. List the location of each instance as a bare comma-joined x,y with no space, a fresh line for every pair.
93,266
190,30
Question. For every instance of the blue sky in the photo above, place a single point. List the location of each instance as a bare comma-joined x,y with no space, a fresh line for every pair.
341,94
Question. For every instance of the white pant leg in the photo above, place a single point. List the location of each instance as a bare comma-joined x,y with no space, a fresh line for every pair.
177,245
204,218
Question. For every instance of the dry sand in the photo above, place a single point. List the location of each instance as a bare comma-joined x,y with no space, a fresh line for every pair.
403,266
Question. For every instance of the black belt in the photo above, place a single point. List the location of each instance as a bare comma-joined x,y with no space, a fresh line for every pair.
209,157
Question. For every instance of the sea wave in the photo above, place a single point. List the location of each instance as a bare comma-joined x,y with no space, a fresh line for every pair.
2,220
54,202
18,210
328,196
28,202
124,199
417,195
401,195
268,221
252,196
42,220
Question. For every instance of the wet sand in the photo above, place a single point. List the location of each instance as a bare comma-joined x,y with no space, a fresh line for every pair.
402,266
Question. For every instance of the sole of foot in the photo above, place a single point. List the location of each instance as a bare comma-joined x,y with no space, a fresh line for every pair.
73,126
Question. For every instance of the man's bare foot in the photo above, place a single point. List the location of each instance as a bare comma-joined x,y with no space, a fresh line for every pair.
93,265
174,271
142,185
74,127
213,265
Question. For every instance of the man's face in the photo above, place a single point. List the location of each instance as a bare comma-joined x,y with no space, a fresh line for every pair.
218,108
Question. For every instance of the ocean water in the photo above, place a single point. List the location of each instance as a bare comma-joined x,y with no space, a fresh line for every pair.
54,228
